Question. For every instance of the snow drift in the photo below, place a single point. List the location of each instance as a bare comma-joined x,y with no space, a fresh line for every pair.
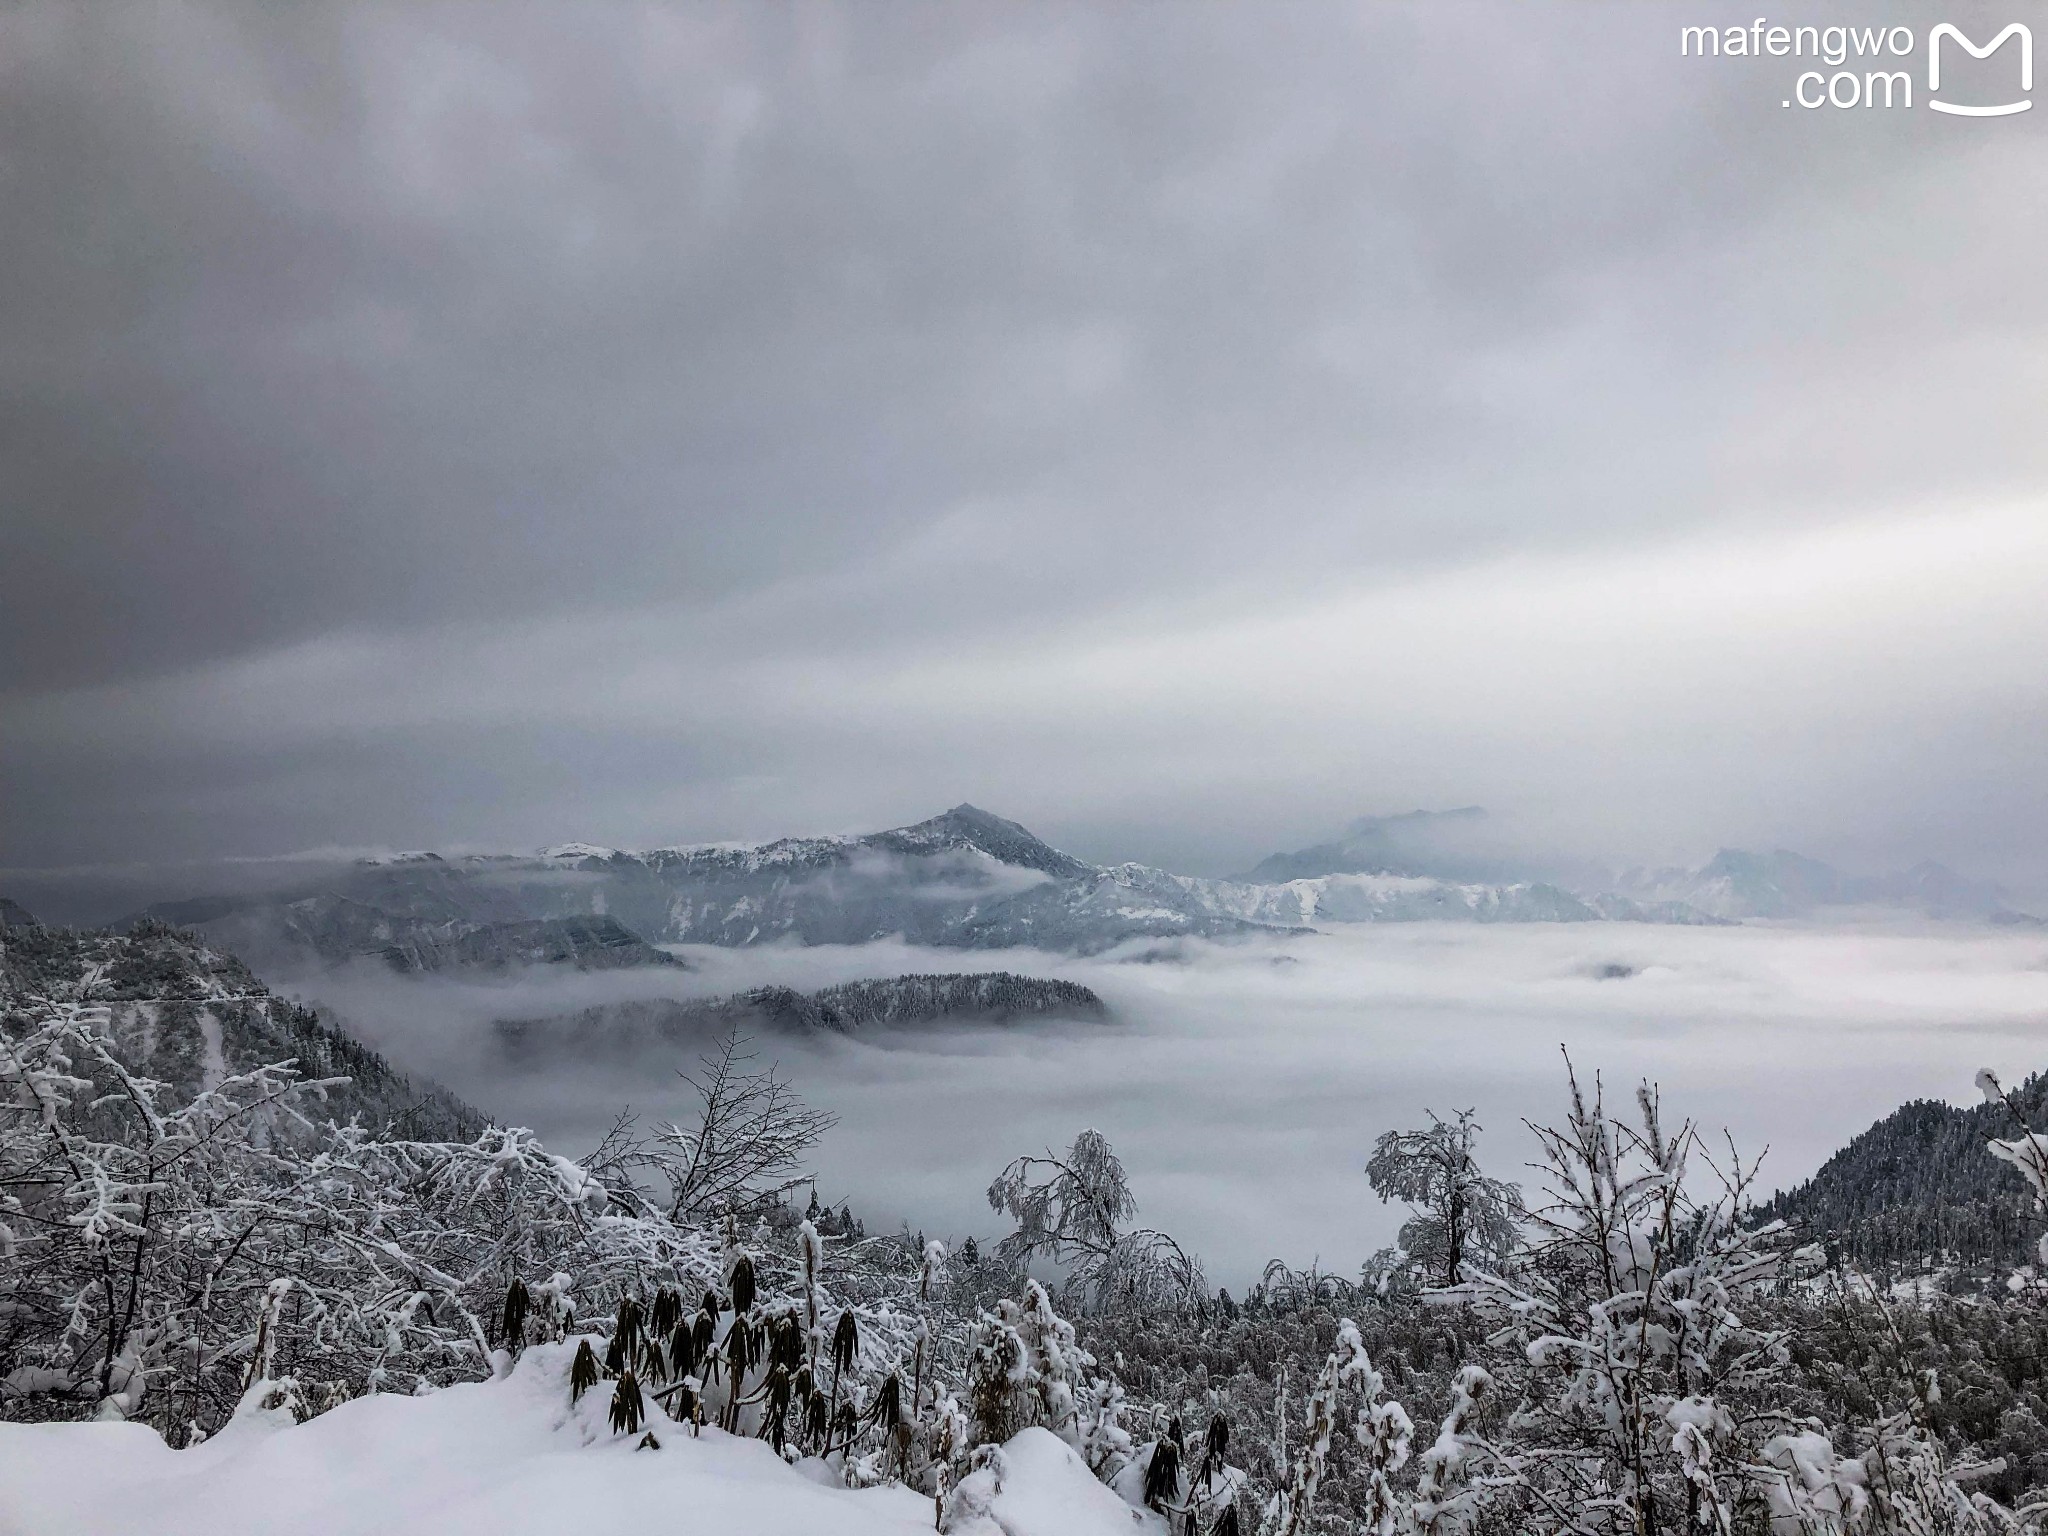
507,1458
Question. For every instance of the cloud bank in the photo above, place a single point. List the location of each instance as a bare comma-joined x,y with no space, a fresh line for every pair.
1244,1086
1181,429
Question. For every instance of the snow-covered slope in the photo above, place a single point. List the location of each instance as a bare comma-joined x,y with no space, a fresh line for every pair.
1439,844
1447,865
510,1457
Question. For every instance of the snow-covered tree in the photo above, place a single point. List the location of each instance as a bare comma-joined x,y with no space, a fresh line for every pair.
1348,1366
1027,1367
162,1248
1644,1364
1457,1212
744,1149
135,1224
1071,1209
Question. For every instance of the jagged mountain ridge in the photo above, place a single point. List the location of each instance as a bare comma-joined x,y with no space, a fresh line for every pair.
1739,884
1394,898
965,879
1450,865
993,997
186,1013
1454,852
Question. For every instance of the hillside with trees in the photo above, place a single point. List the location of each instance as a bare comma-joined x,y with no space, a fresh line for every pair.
981,997
1916,1191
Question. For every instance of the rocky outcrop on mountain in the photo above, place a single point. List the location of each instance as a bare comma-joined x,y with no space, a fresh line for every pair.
988,997
188,1014
14,915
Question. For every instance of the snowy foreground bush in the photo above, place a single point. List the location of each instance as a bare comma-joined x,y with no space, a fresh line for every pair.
507,1458
275,1320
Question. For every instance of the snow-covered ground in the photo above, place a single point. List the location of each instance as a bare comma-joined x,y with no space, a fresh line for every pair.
1244,1083
504,1458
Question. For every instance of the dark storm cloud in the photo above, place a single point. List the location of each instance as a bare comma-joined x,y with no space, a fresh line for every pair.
499,424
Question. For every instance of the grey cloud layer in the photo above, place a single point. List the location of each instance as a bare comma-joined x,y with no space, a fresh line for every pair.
505,424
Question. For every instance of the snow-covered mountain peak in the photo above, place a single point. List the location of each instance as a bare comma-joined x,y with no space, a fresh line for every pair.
968,826
575,852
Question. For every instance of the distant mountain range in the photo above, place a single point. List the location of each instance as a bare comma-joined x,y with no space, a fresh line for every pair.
1737,885
970,880
1916,1193
965,879
1459,848
1446,845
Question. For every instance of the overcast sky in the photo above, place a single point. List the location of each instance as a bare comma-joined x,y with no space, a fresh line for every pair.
1181,427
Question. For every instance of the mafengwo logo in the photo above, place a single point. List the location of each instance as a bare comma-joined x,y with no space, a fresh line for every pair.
1890,83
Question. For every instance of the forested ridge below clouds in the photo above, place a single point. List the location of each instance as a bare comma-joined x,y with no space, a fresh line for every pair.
1917,1189
990,997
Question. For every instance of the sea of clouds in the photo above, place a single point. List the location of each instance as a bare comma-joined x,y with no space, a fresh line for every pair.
1244,1084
